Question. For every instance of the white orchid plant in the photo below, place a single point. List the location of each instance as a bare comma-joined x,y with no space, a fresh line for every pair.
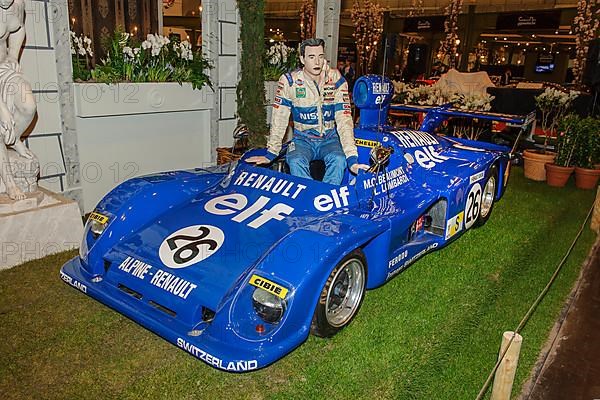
424,95
279,59
156,59
82,55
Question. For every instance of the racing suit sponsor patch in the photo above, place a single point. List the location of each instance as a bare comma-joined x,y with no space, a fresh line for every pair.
300,93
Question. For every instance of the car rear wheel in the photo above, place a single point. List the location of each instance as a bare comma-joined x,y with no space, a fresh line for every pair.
488,197
342,295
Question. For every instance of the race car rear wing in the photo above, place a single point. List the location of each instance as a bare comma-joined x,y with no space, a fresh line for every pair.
435,115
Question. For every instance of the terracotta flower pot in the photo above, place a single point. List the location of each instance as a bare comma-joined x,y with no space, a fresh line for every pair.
558,176
586,178
534,164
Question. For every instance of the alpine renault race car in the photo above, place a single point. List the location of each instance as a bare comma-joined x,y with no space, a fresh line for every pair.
237,264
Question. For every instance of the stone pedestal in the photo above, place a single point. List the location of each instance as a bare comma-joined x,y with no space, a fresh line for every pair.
42,224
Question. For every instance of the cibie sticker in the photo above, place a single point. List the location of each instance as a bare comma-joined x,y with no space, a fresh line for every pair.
190,245
103,219
473,205
454,225
269,286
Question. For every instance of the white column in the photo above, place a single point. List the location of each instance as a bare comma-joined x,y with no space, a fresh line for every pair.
220,34
328,26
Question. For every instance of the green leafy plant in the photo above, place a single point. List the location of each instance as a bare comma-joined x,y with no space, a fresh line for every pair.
251,88
586,153
566,140
279,59
156,59
554,104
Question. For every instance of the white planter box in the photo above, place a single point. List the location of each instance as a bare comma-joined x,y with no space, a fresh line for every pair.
99,99
135,129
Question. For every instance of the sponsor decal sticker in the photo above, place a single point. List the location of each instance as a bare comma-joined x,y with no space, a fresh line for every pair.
231,204
394,261
429,158
454,225
477,177
381,88
95,216
157,277
411,260
270,184
237,366
269,286
190,245
410,139
383,182
299,82
366,143
300,93
77,285
337,199
473,205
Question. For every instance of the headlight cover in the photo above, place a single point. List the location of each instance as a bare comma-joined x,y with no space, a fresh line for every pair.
98,223
269,307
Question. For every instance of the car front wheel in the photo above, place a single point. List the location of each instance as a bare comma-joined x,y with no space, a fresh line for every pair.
342,295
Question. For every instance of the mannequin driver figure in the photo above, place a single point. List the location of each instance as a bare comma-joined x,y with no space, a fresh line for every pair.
317,97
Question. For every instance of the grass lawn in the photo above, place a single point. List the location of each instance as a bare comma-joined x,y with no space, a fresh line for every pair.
433,332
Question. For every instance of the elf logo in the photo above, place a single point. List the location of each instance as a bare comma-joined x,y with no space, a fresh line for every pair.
257,213
428,157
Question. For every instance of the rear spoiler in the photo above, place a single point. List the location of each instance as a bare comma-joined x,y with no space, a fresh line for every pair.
435,115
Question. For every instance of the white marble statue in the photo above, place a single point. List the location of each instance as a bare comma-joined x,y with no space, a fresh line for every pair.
17,104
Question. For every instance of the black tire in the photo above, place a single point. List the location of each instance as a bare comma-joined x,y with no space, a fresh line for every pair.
342,295
488,196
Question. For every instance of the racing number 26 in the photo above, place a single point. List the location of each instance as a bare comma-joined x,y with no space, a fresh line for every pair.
473,205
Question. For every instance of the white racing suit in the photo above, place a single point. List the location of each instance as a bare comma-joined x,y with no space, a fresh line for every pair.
319,114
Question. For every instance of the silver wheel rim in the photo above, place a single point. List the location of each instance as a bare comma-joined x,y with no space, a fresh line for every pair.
345,292
487,199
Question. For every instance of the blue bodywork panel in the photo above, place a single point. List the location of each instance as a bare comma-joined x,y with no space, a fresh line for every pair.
177,251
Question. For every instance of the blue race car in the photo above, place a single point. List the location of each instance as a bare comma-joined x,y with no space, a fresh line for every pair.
238,264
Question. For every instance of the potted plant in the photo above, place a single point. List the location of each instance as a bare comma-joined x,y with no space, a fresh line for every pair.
558,172
553,105
279,59
587,154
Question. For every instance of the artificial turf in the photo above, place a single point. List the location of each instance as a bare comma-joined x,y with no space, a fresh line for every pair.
432,332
